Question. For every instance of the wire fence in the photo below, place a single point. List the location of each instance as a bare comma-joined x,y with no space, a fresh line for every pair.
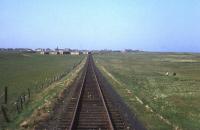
10,109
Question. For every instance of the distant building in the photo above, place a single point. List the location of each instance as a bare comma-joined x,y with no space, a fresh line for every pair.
46,52
67,49
53,52
29,50
19,49
42,52
61,52
85,52
39,49
66,52
75,53
57,49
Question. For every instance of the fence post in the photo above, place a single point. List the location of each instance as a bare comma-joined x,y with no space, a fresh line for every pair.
24,97
6,94
3,108
21,102
17,106
29,93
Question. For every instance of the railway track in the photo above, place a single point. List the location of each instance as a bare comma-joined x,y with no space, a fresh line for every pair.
88,109
91,111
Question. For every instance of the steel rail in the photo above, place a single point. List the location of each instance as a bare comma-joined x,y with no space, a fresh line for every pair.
90,61
79,96
103,100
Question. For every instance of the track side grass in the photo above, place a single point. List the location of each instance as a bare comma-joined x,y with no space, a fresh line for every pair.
160,101
40,107
20,71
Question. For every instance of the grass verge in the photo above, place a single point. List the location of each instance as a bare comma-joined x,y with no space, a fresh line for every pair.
41,103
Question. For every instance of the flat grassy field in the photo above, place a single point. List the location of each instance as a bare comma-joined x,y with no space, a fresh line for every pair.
20,71
160,100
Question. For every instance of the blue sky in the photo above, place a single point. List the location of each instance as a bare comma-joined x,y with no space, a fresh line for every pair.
152,25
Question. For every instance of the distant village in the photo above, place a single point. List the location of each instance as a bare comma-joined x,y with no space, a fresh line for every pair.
65,51
47,51
58,51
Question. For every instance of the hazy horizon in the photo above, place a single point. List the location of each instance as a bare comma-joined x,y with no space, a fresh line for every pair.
164,26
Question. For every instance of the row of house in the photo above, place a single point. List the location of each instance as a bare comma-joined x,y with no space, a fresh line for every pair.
65,51
42,51
60,51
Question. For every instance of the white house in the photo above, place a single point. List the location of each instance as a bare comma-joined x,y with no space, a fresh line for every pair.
42,52
75,53
39,49
53,52
85,52
61,52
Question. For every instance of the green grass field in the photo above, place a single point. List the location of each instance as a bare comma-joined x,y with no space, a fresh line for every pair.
20,71
160,101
